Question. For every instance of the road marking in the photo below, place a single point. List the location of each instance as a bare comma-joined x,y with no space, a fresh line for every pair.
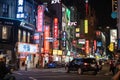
32,78
18,73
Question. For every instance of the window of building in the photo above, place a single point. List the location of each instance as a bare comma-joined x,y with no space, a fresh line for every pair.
4,32
24,36
19,35
5,8
28,37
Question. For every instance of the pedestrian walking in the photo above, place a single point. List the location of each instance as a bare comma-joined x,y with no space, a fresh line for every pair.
112,67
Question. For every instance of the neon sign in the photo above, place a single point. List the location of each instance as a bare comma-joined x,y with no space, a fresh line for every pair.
72,23
40,18
55,1
20,9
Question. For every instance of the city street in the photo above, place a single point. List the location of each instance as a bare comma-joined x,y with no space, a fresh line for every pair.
60,74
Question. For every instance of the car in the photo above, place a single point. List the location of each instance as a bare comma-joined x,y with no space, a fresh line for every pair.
82,65
52,64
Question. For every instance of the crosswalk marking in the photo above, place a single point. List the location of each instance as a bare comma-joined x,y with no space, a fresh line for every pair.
32,78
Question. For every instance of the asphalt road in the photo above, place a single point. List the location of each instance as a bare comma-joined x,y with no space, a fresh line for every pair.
60,74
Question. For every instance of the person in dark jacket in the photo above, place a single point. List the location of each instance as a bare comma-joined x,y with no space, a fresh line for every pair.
3,69
112,67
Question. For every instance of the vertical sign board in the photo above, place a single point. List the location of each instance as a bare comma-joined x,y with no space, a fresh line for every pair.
55,43
46,42
40,12
20,9
87,47
95,45
36,37
113,35
86,26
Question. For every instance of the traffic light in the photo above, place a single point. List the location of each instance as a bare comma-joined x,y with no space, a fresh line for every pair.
114,5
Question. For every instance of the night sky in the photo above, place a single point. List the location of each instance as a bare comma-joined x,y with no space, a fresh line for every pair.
103,10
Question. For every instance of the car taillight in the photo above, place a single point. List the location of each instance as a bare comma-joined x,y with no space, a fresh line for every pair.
85,63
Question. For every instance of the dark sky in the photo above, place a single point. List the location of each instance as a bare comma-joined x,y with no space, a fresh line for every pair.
103,10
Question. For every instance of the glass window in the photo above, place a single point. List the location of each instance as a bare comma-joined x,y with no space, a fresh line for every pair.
24,36
5,9
28,37
4,32
19,35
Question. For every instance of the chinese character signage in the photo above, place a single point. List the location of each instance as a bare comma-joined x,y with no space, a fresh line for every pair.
40,12
55,43
46,42
27,48
20,9
55,27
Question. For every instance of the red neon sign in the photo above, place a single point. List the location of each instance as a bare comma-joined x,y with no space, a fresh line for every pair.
46,43
55,27
40,19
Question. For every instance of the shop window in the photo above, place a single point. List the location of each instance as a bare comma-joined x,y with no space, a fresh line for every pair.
4,32
28,37
19,35
24,36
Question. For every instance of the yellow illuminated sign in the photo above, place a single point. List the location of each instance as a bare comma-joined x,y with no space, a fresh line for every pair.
86,26
59,52
77,30
111,46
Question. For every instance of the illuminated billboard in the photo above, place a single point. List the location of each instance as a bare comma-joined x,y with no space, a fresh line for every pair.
55,33
87,46
40,12
55,27
20,9
113,35
46,42
86,26
27,48
99,43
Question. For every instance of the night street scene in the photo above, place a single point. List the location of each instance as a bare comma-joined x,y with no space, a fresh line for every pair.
59,40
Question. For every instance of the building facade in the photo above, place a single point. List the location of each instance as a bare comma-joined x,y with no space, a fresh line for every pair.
16,26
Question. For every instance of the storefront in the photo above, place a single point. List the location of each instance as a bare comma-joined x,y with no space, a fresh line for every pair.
27,54
11,32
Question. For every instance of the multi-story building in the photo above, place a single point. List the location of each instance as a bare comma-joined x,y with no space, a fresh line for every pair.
17,24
